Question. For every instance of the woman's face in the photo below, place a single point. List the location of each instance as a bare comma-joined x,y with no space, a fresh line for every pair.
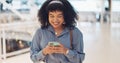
56,19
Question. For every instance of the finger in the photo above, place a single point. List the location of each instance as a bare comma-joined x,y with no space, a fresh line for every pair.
59,51
61,45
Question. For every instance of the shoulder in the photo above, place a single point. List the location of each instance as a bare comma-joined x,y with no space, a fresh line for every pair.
77,32
39,31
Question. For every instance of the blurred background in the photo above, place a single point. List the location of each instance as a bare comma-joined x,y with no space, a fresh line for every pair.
99,21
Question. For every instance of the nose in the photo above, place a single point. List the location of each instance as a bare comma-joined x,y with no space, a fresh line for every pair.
55,19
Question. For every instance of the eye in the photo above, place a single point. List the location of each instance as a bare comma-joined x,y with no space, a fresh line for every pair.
51,16
60,16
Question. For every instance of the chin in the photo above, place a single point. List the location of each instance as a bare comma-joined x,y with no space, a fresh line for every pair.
55,26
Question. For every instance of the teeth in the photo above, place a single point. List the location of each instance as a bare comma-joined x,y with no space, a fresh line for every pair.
55,23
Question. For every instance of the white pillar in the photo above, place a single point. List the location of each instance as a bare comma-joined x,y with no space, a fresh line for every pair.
4,44
0,48
102,11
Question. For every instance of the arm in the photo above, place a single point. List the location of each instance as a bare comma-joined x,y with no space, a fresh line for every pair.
77,52
35,50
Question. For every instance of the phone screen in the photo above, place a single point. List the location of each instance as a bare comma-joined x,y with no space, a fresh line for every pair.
54,44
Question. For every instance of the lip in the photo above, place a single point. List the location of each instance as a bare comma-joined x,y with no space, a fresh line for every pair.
56,23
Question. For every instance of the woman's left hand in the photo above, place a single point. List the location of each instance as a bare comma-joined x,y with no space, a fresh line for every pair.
60,49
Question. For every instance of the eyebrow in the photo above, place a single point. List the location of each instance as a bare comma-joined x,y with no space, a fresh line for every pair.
58,14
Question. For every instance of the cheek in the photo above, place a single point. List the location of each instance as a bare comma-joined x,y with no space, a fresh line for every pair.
62,20
49,20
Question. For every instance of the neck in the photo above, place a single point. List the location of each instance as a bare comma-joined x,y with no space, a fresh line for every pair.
58,31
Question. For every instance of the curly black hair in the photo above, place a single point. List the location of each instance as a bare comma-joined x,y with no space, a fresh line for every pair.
70,16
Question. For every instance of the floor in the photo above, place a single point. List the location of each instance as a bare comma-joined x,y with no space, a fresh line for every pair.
101,44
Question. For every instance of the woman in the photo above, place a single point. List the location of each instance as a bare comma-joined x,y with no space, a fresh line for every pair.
51,42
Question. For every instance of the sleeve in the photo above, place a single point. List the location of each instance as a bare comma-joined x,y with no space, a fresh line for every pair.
35,49
77,53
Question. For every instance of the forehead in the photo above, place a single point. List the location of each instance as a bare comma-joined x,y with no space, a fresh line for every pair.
55,12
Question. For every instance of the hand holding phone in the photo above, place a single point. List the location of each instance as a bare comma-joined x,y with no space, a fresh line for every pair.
56,44
55,47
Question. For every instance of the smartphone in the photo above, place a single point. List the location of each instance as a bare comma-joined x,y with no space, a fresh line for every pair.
56,44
